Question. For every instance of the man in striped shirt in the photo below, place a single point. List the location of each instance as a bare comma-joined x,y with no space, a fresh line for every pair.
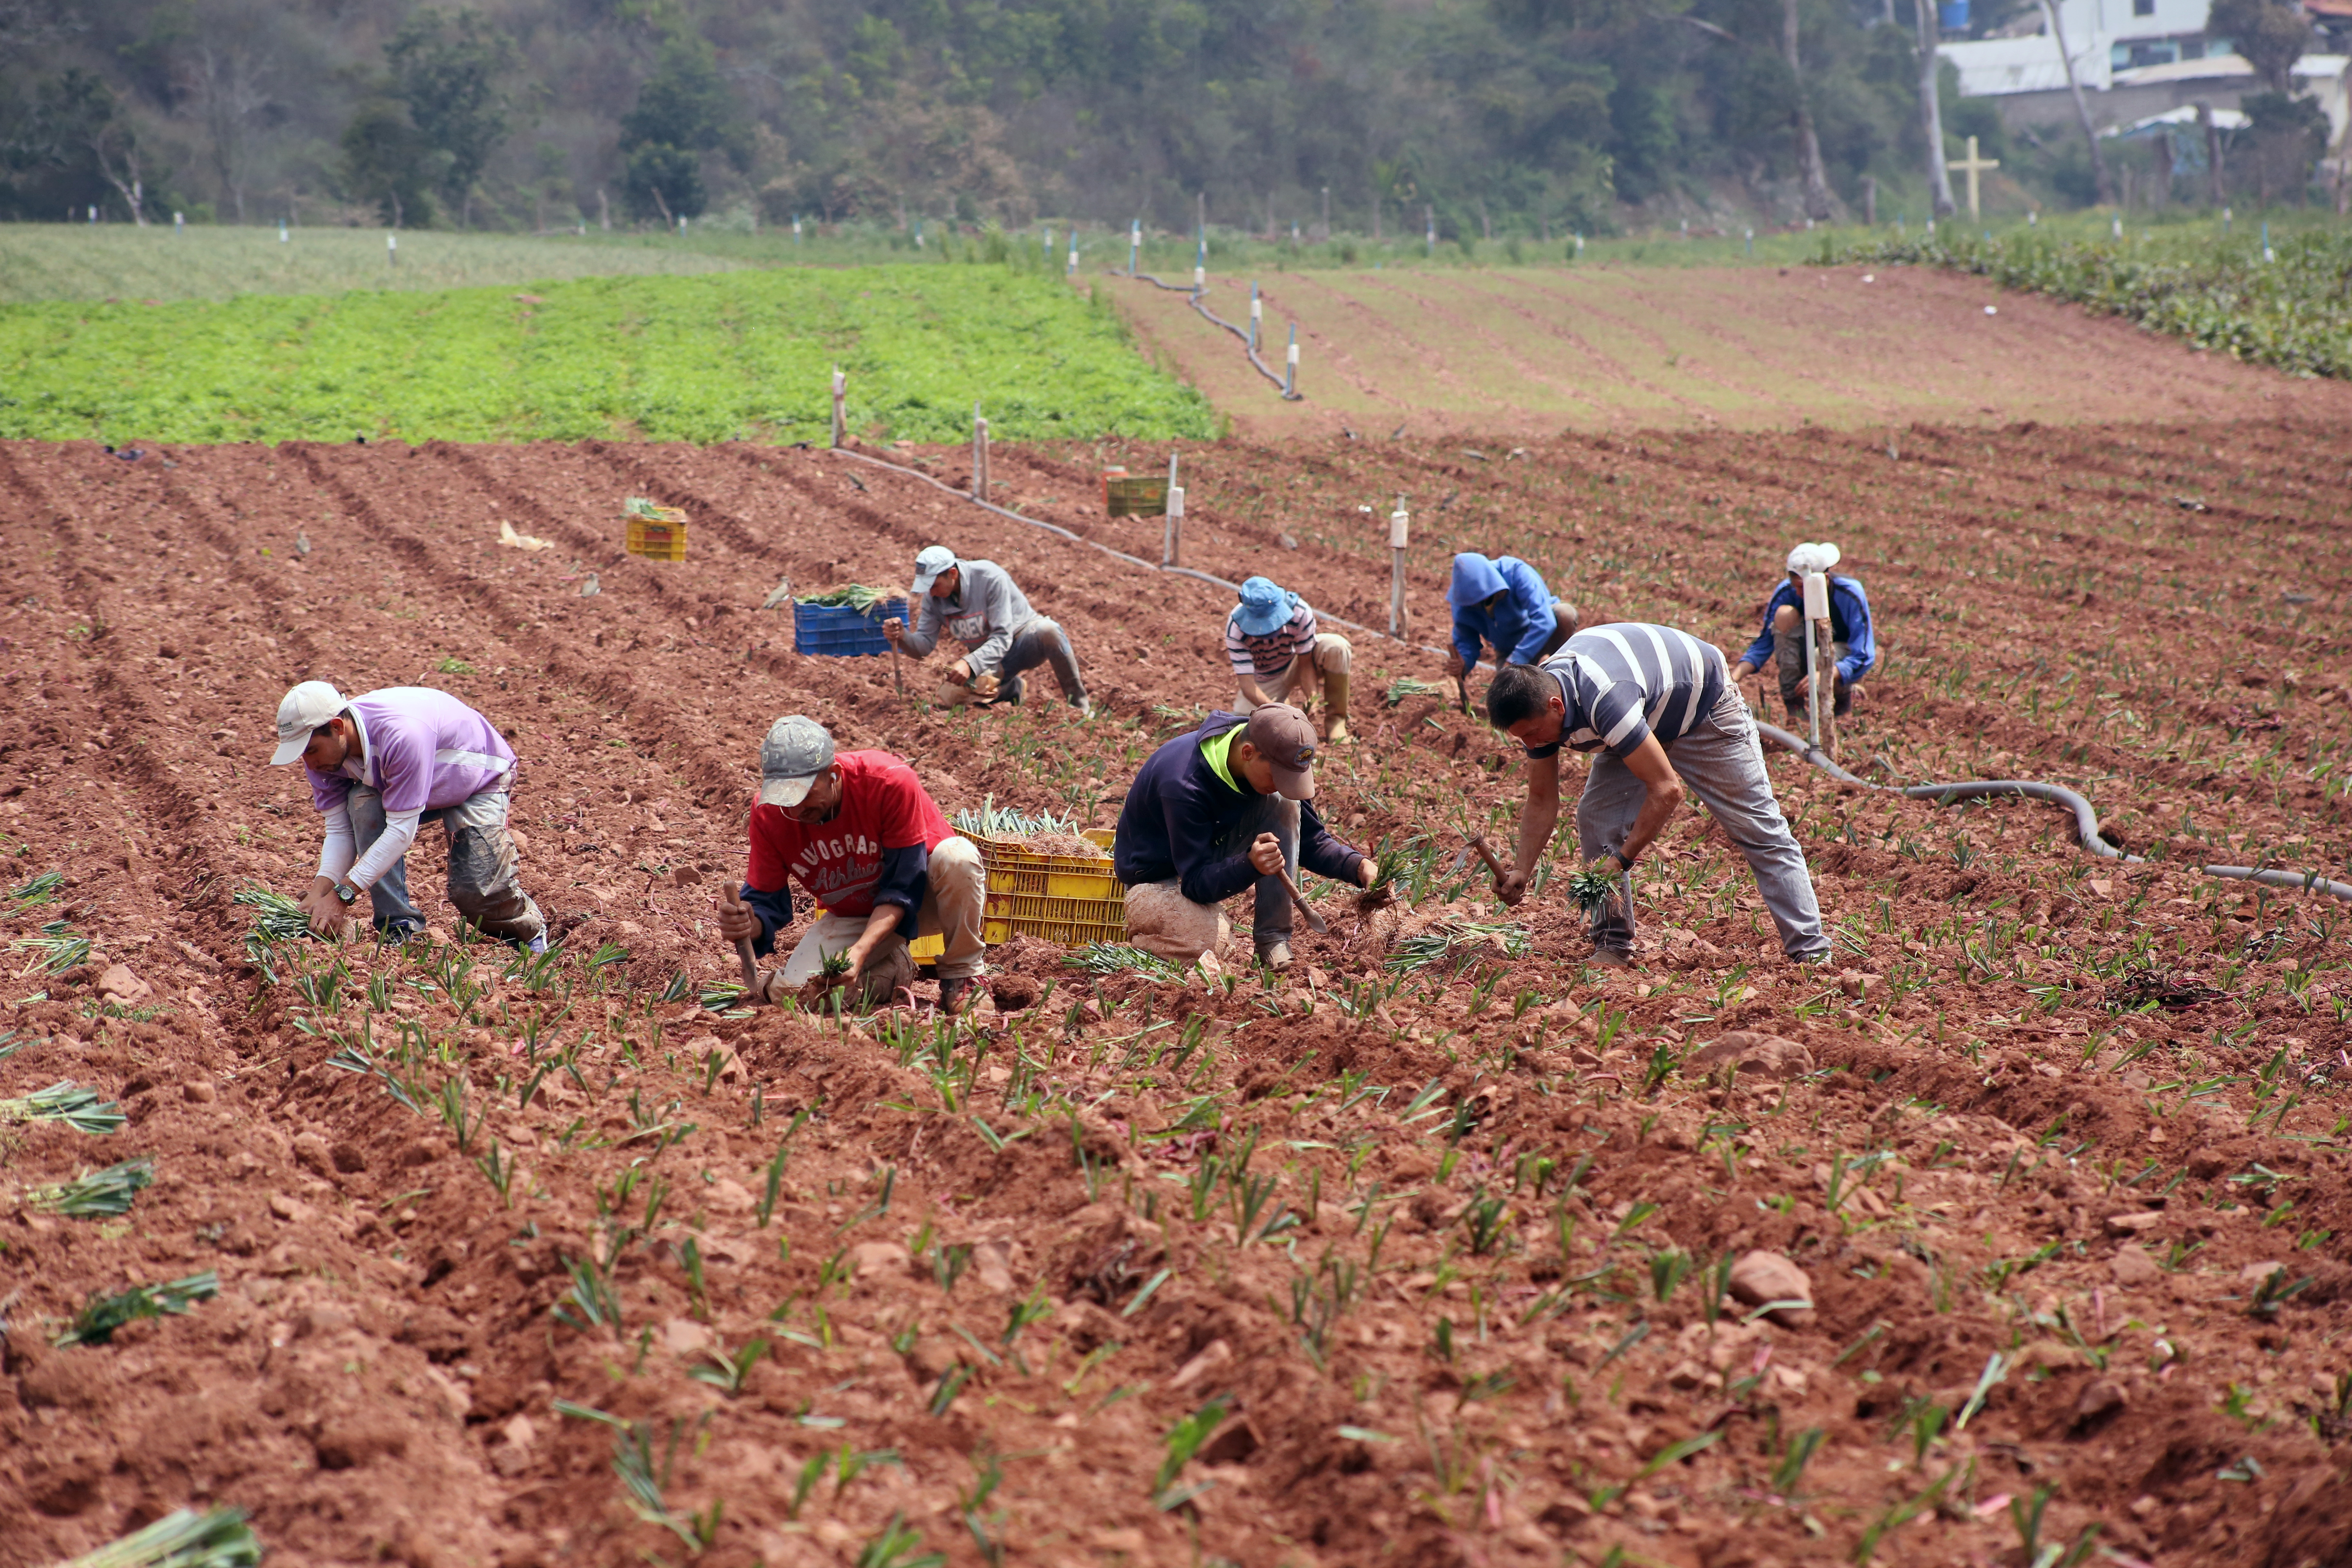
1275,648
1659,707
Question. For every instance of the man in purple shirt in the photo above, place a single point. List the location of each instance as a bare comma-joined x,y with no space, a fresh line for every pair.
381,766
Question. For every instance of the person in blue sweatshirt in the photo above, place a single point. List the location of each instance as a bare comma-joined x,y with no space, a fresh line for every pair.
1782,640
1503,602
1219,811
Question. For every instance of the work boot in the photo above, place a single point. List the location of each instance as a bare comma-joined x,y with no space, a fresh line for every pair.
1274,951
1335,697
957,994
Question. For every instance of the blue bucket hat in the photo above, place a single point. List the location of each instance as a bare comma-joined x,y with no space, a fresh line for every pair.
1264,607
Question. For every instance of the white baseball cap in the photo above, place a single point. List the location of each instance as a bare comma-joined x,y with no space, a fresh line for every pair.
304,709
935,562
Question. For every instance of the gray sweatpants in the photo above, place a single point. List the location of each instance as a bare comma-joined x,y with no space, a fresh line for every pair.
1719,763
1040,641
1789,655
484,876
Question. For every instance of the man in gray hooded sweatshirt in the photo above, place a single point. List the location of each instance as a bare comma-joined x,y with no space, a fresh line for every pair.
978,604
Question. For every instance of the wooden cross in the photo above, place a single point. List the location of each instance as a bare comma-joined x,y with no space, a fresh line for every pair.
1971,166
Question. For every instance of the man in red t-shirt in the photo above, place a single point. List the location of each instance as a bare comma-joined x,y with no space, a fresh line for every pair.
864,840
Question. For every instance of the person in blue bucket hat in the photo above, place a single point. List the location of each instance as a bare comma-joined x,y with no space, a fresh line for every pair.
1276,649
1503,602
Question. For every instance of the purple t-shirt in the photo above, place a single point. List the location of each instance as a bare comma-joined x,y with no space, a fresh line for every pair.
425,752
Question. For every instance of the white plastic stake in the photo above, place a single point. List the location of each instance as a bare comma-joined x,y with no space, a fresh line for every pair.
1172,539
1400,529
281,231
1074,251
1290,366
1257,313
979,455
840,424
1817,614
179,223
796,228
392,250
1200,265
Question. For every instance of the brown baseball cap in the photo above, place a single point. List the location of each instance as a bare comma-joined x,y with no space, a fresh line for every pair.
1281,734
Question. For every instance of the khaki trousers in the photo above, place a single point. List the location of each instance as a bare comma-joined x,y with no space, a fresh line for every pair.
951,908
1333,656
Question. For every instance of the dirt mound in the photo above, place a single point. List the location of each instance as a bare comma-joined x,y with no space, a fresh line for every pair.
1388,1257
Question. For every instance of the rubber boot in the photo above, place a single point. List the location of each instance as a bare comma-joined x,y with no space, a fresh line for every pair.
1335,698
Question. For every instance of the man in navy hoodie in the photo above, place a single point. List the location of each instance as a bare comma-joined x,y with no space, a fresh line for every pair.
1222,809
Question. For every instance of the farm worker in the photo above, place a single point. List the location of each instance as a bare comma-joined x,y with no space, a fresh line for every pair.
862,837
1275,645
1503,602
1227,807
1659,706
1783,636
381,766
978,604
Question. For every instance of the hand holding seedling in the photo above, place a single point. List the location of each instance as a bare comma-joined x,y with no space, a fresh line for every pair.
326,913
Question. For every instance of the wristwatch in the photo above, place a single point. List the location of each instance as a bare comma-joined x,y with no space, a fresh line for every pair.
346,892
1624,865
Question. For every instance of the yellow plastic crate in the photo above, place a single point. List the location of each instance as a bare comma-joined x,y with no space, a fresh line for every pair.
661,537
1065,898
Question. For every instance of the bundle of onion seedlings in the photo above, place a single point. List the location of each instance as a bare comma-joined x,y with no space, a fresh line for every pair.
1103,958
96,1322
1455,944
181,1539
94,1194
854,596
76,1107
1593,889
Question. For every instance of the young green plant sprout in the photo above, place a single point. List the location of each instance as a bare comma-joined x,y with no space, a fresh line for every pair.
835,966
96,1322
95,1194
54,951
181,1539
1593,889
78,1107
1405,688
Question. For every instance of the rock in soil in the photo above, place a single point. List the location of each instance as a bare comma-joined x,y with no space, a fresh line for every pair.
1761,1277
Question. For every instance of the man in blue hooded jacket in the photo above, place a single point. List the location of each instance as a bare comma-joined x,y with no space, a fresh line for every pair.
1503,602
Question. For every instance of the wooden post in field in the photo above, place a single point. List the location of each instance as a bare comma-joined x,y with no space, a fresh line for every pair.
979,485
1400,526
1819,661
840,426
1172,537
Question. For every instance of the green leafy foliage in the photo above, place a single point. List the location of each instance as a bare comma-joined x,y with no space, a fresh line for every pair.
95,1194
2292,312
692,359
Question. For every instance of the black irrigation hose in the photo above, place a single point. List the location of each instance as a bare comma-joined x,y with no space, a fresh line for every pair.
1199,294
2086,821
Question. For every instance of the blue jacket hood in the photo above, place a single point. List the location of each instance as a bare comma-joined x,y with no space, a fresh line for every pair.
1475,579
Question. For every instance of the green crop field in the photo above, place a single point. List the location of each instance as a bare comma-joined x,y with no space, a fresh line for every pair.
693,358
114,261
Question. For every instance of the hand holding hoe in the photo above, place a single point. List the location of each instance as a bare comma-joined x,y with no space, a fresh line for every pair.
751,989
1494,866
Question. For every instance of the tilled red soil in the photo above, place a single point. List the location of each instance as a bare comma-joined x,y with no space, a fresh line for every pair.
1440,1246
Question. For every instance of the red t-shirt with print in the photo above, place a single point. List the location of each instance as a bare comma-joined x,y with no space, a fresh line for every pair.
839,863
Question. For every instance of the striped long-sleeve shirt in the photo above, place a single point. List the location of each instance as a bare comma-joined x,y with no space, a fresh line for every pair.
1625,682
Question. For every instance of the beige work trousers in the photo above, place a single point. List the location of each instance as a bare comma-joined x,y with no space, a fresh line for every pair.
1332,655
951,908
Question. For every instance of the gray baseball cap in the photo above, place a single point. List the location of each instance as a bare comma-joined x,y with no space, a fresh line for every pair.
796,751
305,709
934,560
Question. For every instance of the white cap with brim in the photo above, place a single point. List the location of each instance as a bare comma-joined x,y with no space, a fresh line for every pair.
797,750
304,711
935,559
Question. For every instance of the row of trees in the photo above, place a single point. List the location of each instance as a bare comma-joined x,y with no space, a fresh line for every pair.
1487,117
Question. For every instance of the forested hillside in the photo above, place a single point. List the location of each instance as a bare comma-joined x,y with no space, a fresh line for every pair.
1501,117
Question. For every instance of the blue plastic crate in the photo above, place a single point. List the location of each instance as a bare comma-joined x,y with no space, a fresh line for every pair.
836,631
